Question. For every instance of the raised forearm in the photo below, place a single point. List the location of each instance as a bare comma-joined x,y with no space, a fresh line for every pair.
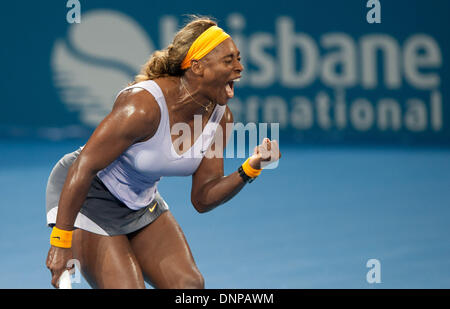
217,191
210,191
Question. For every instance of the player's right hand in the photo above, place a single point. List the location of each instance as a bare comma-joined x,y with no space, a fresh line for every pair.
57,262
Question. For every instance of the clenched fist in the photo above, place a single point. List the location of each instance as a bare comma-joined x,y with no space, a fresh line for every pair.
265,154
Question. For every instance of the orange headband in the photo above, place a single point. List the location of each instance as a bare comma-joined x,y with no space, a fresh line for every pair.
205,43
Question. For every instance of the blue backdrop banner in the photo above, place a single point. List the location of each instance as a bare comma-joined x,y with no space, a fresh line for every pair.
329,72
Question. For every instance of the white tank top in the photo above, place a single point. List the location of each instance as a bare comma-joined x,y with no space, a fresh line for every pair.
134,175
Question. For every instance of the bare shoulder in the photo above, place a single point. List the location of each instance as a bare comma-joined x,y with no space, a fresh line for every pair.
140,102
138,110
226,123
227,117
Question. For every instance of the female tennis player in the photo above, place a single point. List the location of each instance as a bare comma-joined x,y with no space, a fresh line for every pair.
102,200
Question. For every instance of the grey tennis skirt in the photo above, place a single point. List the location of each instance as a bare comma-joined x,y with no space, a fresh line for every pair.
101,213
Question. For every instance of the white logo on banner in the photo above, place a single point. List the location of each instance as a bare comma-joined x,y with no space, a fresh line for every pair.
96,60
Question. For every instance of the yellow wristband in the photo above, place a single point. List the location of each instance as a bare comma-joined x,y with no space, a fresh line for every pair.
61,238
250,171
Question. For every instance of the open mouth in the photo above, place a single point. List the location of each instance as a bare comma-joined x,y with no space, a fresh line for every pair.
229,87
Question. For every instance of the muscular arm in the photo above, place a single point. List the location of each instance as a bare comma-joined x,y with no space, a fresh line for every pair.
210,187
135,117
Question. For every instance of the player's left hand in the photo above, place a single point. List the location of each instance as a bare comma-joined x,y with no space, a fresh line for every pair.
265,154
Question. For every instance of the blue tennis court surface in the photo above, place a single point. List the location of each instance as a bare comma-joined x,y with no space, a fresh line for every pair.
313,222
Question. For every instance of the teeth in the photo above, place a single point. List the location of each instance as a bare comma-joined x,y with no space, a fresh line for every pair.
237,79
